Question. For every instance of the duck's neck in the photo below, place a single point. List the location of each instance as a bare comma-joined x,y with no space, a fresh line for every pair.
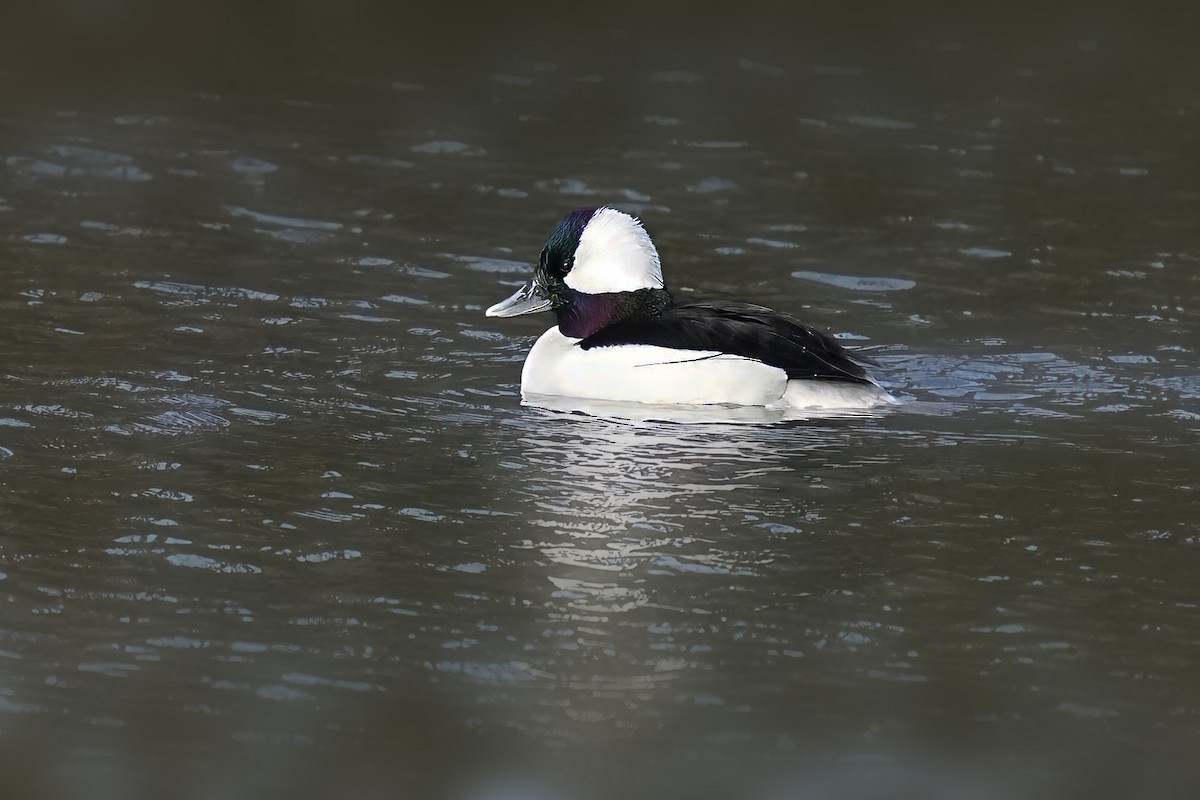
588,313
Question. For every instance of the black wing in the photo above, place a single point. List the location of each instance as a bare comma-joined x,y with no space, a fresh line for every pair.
740,329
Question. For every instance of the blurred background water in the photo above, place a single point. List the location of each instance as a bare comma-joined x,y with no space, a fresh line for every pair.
274,523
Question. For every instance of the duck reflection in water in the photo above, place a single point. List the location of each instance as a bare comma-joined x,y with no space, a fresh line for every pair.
619,501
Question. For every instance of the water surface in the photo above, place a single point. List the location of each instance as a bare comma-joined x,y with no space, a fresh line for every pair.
275,522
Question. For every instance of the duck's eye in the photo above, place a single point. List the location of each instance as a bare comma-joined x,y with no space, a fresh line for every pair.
552,263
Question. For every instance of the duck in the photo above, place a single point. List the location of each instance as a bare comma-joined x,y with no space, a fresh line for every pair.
621,336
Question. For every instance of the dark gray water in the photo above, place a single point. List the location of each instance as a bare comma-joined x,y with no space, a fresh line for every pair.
275,523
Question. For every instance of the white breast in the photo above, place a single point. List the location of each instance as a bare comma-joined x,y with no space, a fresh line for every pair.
647,374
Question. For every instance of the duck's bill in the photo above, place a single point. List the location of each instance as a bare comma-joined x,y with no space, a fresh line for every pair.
526,300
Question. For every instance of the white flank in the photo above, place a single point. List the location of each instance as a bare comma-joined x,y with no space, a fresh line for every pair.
662,375
834,394
615,254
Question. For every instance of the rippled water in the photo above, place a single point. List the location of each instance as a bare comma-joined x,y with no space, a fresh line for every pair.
275,521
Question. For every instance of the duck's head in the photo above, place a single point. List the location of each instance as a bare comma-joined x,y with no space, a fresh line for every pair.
598,267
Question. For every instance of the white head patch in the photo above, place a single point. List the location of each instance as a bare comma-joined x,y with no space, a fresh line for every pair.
615,254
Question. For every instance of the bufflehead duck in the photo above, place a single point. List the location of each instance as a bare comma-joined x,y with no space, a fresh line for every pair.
620,335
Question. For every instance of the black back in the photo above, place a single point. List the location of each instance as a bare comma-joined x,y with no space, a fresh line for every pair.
740,329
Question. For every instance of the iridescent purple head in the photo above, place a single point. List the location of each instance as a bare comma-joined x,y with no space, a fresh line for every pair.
598,263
